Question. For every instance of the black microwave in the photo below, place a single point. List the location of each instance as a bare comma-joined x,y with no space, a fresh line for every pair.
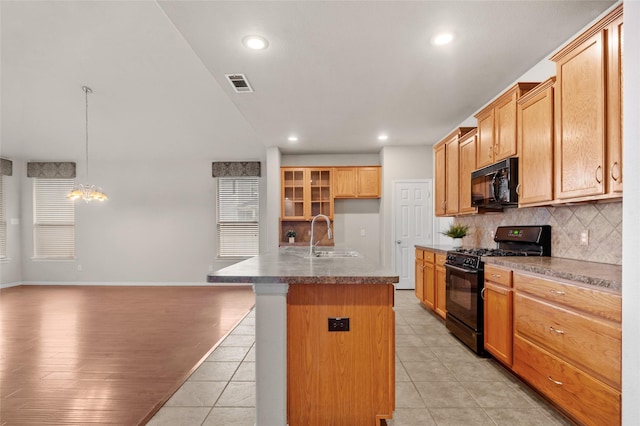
495,186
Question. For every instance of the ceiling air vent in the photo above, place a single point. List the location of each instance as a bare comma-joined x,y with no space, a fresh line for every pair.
239,82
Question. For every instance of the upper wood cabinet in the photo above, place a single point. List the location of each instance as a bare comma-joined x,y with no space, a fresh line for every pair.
357,182
441,179
497,126
447,165
588,163
614,105
467,154
306,192
535,145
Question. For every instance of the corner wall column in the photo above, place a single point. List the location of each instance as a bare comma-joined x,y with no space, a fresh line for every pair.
271,353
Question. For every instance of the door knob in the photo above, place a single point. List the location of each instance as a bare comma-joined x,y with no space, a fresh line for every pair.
398,242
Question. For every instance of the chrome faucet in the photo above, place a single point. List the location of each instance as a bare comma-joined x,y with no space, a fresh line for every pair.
312,247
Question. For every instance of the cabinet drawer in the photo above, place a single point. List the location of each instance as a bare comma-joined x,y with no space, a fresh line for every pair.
592,344
497,275
428,256
605,304
441,259
587,399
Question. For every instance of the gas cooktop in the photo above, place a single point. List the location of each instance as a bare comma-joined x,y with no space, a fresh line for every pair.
511,241
498,252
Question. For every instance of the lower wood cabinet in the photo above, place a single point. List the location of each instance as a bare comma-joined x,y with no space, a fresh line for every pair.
340,377
498,313
430,285
441,286
419,275
567,344
579,394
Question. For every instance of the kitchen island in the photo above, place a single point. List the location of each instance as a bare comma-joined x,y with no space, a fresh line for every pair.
312,366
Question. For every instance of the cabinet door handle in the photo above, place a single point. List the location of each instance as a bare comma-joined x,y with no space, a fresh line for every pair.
599,174
555,381
518,189
614,167
557,292
555,330
482,293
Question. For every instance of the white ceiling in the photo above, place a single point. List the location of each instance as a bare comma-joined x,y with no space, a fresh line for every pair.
336,73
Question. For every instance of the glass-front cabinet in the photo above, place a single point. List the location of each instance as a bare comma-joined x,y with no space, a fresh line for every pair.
321,200
306,192
293,193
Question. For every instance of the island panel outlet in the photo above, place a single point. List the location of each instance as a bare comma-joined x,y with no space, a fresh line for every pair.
338,324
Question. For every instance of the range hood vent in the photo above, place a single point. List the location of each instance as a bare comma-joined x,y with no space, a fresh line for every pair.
239,82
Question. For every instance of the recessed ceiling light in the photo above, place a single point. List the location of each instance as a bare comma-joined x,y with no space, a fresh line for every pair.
383,137
292,139
255,42
442,39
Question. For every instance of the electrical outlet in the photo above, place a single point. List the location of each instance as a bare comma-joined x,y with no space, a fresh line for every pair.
210,268
79,267
584,238
363,232
338,324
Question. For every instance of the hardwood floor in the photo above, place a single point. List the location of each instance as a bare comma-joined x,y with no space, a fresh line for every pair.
105,355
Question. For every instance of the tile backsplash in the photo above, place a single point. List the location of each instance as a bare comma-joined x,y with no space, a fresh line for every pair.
602,221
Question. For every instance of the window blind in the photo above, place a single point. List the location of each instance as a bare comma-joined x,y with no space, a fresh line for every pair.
238,217
54,219
3,221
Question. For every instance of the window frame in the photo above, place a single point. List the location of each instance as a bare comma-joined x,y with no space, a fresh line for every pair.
3,219
53,217
229,218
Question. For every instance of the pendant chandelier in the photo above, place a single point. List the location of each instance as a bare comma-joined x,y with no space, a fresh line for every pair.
87,192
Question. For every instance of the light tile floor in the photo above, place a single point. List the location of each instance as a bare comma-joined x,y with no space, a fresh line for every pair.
439,381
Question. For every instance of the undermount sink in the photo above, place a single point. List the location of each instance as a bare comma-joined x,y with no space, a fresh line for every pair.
335,253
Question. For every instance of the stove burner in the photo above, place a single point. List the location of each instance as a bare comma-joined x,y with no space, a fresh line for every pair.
497,252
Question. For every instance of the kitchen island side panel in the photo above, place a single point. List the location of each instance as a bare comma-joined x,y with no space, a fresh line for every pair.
340,377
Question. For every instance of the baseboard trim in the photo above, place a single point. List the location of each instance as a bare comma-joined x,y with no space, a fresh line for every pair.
7,285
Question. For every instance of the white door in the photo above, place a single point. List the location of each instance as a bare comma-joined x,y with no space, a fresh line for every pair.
413,224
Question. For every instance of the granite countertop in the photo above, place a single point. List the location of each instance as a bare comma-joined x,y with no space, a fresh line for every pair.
438,248
290,265
579,271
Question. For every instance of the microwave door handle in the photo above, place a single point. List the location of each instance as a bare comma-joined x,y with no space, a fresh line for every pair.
493,194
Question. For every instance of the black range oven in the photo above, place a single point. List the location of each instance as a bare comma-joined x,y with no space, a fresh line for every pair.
465,278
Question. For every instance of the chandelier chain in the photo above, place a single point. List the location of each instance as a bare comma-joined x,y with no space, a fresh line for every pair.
87,90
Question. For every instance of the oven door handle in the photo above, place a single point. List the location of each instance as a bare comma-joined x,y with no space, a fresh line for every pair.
466,271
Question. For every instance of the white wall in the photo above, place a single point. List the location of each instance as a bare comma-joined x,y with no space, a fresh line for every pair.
11,267
404,162
271,224
631,207
354,217
331,160
157,227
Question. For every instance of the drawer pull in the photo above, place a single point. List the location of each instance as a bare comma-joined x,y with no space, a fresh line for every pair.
496,275
555,381
555,330
557,292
